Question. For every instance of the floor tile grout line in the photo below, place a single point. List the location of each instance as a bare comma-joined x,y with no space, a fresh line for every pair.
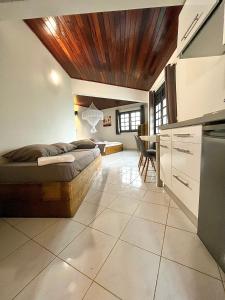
48,226
223,283
34,240
11,253
103,288
116,296
20,231
149,220
134,245
34,277
76,236
59,219
179,263
138,217
154,203
156,283
170,226
120,212
62,259
92,220
88,289
118,239
220,272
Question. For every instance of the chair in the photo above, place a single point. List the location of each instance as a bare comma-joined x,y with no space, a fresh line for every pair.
138,148
148,155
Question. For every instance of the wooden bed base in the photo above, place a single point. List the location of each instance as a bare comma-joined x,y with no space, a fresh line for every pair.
56,199
113,149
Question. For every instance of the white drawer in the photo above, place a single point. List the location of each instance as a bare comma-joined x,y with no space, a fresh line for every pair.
165,162
186,157
165,135
190,134
186,189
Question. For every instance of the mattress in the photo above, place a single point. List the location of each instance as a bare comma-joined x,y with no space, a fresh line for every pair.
18,173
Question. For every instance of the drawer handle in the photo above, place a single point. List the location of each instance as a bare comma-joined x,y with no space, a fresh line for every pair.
181,181
190,28
163,146
165,135
183,150
183,135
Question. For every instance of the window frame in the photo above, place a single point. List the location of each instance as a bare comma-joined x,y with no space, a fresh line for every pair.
130,122
160,96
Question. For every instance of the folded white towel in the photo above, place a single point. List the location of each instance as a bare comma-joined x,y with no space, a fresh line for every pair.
42,161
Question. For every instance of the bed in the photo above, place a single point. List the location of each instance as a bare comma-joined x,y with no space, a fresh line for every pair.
112,147
27,190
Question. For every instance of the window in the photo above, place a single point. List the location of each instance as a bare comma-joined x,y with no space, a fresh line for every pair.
130,120
160,115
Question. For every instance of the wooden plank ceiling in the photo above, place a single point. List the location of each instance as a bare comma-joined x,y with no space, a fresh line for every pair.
123,48
100,103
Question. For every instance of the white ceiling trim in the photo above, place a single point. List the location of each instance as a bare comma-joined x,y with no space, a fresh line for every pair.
17,10
95,89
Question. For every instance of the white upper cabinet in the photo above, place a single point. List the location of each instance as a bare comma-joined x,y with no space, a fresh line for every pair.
191,18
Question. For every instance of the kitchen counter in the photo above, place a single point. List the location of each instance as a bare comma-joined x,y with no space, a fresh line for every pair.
208,118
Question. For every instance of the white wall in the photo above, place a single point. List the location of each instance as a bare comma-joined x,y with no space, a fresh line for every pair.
200,86
94,89
109,133
33,109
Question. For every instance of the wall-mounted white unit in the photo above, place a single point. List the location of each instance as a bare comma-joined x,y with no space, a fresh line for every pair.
191,19
210,41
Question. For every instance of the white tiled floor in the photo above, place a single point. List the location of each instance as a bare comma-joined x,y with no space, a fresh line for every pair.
127,241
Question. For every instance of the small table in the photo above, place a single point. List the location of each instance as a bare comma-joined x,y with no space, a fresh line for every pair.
155,139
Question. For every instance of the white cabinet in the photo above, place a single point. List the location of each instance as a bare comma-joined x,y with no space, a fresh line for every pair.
165,157
187,157
180,163
186,189
191,134
165,162
191,18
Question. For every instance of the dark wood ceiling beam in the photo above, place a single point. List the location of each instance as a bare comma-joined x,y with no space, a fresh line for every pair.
100,103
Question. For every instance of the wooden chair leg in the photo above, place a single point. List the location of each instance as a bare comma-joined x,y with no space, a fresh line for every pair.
140,161
153,164
146,170
144,166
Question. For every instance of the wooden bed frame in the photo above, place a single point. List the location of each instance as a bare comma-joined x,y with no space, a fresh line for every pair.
56,199
113,149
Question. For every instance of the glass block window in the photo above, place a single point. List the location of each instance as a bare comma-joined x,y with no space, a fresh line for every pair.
160,109
129,121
